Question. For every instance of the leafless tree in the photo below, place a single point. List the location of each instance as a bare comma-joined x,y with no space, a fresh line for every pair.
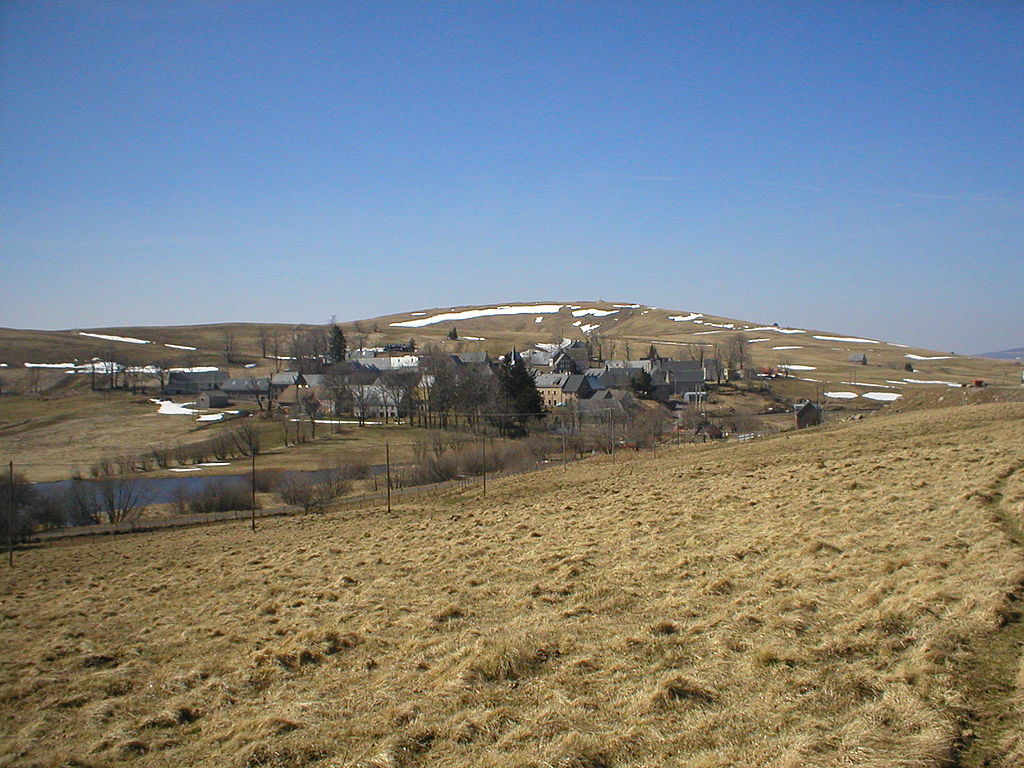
263,338
310,347
442,392
228,346
247,439
736,351
310,408
397,389
275,348
117,500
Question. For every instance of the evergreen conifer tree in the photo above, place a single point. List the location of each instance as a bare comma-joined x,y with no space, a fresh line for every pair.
520,393
338,345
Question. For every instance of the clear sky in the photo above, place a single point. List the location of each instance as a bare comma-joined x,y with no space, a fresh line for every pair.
855,167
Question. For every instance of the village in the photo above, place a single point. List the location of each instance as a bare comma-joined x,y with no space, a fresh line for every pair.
397,382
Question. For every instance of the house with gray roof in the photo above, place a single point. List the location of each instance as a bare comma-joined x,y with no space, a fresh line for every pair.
193,382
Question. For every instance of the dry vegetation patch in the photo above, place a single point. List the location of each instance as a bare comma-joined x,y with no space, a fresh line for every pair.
812,599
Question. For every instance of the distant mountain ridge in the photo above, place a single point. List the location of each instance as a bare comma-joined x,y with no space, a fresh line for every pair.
1017,353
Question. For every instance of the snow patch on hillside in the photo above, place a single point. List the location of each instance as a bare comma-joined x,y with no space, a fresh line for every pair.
594,312
787,348
841,395
685,318
925,357
776,328
180,346
169,408
885,397
105,337
924,381
469,314
850,339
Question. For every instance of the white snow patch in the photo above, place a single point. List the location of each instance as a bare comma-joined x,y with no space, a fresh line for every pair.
923,381
419,314
754,341
197,369
588,328
925,357
473,338
885,397
186,469
170,408
729,326
685,318
627,306
594,312
798,367
705,333
250,365
49,365
780,348
851,339
3,365
469,314
539,320
215,464
180,346
894,344
578,323
105,337
776,329
841,395
211,417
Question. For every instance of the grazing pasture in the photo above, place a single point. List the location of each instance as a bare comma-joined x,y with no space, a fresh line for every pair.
833,597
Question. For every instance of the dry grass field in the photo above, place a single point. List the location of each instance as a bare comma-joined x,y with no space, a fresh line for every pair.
834,597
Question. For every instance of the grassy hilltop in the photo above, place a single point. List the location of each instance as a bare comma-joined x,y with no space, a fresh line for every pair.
839,596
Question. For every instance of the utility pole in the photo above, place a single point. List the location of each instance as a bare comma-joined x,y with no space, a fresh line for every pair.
253,476
484,444
10,513
387,463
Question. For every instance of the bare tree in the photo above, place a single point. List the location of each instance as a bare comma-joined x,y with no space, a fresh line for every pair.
118,500
396,389
263,338
736,352
336,383
228,346
275,348
310,347
247,439
309,405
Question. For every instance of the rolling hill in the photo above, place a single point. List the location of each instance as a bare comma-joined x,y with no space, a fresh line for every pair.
820,358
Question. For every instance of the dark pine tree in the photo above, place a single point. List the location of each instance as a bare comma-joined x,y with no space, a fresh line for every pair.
643,385
453,334
520,394
338,345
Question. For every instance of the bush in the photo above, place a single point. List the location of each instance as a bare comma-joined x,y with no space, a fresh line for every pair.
313,492
221,497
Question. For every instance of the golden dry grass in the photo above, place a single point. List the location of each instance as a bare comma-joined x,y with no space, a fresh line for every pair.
812,599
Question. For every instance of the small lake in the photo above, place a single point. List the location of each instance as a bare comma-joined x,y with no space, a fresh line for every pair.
164,490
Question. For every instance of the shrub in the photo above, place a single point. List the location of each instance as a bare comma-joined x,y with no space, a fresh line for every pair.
313,492
221,497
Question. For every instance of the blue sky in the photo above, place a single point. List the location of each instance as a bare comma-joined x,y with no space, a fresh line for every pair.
853,167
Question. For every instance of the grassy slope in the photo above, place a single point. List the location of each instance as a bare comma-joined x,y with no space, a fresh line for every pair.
813,598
